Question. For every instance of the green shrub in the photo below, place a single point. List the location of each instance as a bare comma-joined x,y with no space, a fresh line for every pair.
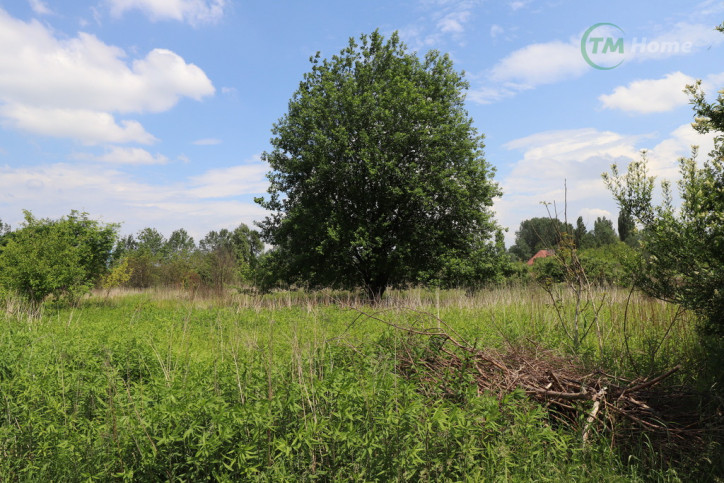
62,258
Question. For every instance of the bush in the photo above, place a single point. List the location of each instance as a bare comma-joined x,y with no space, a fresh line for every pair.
62,258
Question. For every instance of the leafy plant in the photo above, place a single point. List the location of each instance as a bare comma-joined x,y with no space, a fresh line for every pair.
378,176
682,251
118,276
63,258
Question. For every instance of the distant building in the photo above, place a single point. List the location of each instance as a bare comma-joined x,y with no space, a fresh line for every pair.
541,254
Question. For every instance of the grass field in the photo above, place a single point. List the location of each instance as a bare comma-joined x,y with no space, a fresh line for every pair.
304,386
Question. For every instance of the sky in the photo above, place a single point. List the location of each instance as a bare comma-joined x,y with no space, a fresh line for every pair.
155,113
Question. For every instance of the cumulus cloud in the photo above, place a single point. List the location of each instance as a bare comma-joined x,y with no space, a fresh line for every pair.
650,95
193,12
85,80
656,95
543,63
577,157
556,61
105,191
88,127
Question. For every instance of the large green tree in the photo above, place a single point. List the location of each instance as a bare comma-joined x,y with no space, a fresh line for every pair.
64,257
378,175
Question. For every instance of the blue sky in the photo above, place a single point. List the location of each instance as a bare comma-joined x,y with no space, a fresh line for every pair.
155,112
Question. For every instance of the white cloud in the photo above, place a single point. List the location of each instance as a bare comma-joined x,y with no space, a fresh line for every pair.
529,67
88,127
663,158
128,156
556,61
39,7
578,157
709,7
84,79
103,190
496,30
233,181
538,64
193,12
590,214
650,95
656,95
453,22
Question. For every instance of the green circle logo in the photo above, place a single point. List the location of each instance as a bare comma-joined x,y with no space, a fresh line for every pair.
602,46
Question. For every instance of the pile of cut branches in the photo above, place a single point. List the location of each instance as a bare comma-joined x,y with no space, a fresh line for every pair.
438,358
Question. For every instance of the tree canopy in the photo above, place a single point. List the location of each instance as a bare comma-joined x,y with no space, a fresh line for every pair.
378,175
603,232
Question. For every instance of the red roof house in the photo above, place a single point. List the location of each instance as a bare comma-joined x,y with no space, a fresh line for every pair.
541,254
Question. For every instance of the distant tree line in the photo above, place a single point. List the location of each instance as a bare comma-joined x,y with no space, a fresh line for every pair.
542,233
222,258
66,258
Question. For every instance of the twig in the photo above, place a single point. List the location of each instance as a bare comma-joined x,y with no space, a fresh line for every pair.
594,411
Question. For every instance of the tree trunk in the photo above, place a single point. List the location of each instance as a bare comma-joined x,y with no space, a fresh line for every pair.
375,288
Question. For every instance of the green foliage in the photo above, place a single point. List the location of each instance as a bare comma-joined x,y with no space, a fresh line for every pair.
581,237
145,270
63,258
627,232
180,243
151,242
222,259
4,232
606,265
683,250
378,176
117,277
549,269
151,391
603,232
609,264
538,234
230,256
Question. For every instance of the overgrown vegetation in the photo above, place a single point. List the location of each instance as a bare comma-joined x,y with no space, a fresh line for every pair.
270,388
682,250
599,361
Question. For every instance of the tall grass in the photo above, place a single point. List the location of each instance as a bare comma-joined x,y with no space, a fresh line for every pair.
296,386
